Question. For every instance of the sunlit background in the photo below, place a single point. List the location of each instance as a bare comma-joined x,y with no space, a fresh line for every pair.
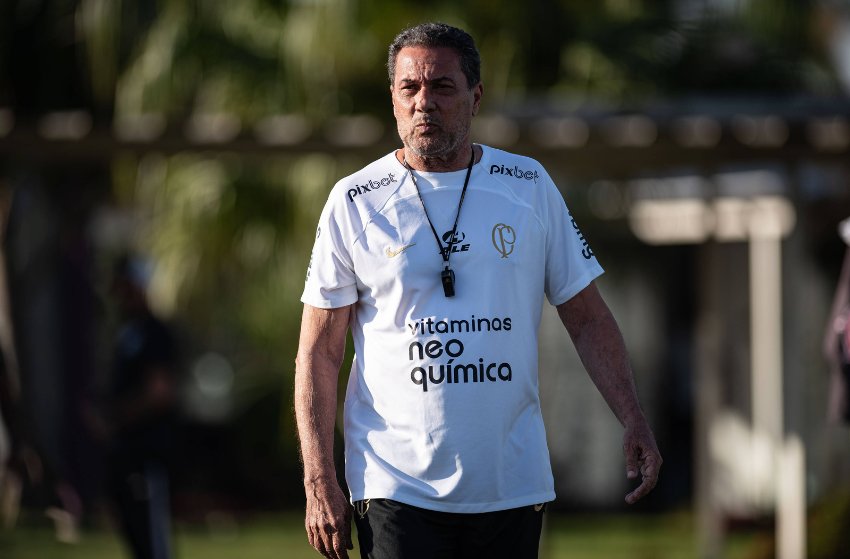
703,146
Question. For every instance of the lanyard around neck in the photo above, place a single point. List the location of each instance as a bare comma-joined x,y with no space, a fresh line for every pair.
446,251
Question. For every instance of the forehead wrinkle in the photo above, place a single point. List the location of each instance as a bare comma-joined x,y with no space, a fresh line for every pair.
427,81
422,71
422,64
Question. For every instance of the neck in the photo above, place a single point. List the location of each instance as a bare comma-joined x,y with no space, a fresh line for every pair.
440,164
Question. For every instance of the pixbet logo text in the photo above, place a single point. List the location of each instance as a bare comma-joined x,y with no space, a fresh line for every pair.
370,186
515,172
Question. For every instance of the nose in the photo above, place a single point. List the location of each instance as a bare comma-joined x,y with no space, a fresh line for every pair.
424,100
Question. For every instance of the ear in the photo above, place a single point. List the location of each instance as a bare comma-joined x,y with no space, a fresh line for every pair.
392,97
477,93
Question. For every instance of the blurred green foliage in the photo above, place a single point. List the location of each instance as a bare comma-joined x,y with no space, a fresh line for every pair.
326,57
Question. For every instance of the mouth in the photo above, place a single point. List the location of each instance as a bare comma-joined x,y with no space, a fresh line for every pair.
426,126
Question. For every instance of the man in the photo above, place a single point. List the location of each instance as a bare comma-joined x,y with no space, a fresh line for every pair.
437,257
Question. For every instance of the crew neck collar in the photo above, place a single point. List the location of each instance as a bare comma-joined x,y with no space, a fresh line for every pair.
479,159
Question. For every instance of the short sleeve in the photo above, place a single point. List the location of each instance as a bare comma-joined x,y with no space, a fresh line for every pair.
331,281
570,262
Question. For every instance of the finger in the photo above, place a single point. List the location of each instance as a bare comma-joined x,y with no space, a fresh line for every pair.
650,467
318,544
348,543
344,536
647,485
346,529
340,543
311,537
327,541
639,493
631,462
649,472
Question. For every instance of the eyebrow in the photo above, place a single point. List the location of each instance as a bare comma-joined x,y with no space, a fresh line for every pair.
432,81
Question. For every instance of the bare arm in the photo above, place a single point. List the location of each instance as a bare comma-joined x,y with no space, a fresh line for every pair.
839,301
321,348
600,346
835,323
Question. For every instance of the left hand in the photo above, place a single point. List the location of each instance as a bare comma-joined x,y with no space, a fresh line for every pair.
642,457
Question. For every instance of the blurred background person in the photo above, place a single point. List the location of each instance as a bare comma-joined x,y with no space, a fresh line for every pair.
837,339
24,474
141,416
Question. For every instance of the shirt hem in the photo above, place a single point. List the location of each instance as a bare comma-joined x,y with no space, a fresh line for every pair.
468,508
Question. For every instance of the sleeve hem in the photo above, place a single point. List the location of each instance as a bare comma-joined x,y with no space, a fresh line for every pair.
573,289
342,300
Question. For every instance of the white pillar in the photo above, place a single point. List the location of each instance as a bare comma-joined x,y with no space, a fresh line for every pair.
708,387
766,229
791,501
766,329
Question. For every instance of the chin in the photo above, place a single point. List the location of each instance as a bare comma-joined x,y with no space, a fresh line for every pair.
429,149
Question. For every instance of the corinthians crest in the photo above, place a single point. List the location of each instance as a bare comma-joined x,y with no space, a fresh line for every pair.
503,237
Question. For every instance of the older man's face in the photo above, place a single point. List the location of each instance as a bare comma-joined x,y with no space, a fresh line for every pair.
432,102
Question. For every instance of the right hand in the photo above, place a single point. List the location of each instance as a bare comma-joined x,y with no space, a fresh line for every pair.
328,520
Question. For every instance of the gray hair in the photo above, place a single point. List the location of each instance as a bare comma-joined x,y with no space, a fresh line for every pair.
439,35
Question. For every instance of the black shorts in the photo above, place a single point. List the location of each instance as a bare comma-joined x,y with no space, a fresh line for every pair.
388,529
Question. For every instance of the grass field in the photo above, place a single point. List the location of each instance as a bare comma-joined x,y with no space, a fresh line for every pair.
282,537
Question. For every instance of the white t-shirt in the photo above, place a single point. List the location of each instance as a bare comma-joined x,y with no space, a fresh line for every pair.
442,409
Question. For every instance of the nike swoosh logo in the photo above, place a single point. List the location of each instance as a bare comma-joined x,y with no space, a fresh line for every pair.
393,253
